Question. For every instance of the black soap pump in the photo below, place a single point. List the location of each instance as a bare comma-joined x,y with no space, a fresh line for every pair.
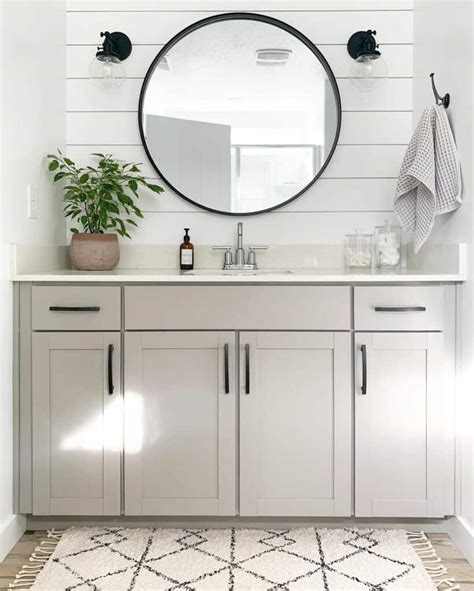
186,253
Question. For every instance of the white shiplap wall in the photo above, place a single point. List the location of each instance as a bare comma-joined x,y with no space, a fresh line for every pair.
356,190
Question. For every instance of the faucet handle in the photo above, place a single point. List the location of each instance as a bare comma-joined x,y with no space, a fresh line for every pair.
227,254
252,259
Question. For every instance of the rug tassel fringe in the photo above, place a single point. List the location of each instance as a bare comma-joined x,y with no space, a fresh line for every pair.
432,563
26,578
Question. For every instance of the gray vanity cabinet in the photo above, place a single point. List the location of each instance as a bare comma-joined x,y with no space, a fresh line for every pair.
295,424
400,425
180,423
260,412
77,435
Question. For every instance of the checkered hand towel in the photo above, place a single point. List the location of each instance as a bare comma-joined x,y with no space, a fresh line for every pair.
429,183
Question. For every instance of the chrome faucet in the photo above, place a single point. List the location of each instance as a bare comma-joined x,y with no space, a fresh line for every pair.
241,263
240,252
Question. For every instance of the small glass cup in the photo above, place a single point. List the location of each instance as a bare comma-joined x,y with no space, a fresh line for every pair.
388,246
359,248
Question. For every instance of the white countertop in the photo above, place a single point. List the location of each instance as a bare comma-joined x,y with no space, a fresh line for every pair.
310,276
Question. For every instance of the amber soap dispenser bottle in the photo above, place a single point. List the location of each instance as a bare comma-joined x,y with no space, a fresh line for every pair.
186,253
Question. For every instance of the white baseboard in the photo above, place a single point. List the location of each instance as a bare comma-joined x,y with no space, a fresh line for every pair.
463,536
10,533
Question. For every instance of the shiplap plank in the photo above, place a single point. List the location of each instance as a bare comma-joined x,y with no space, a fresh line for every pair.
273,228
102,128
347,162
321,27
122,128
393,94
399,60
366,127
365,162
232,5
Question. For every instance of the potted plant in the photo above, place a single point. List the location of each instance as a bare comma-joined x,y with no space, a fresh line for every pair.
102,201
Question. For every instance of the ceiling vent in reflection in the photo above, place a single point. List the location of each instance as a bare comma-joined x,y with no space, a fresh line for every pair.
272,57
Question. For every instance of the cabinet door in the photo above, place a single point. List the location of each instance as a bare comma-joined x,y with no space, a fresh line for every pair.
77,435
399,425
180,423
295,424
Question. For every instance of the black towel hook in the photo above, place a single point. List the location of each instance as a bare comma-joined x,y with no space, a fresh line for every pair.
440,100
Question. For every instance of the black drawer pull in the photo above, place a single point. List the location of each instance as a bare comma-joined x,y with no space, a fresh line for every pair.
400,309
110,370
226,369
74,308
247,369
363,388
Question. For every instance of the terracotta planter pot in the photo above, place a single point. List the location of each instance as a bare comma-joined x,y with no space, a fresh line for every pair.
94,252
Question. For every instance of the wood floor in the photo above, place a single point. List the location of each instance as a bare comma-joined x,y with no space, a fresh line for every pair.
458,567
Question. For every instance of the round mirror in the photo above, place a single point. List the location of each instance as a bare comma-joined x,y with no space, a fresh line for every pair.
239,113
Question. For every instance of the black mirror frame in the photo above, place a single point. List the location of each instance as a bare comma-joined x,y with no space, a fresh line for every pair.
252,17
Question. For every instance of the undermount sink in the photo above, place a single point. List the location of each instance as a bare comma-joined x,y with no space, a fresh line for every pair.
239,272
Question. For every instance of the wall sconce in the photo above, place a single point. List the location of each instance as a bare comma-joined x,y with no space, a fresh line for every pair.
107,68
369,68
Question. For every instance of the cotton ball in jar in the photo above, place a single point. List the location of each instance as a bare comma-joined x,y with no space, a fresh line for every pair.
389,249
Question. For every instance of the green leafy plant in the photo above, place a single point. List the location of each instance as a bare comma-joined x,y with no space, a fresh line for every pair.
102,198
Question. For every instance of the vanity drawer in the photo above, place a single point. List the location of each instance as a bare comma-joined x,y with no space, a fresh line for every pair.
252,307
398,308
75,308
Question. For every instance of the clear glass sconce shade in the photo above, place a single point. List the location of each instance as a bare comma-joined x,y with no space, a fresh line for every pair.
108,71
368,72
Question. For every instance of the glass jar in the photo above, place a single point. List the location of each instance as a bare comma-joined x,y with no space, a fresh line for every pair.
388,246
359,248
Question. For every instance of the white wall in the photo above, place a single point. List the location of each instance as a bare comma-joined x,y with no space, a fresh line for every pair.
443,32
357,187
32,113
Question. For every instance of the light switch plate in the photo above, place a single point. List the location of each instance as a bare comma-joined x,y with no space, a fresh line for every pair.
32,202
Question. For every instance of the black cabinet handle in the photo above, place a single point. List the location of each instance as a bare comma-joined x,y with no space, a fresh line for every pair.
400,309
363,388
74,308
110,370
247,369
226,369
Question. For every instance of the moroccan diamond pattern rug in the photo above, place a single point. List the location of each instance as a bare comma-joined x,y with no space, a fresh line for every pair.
145,559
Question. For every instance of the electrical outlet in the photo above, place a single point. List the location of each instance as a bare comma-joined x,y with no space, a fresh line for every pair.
32,202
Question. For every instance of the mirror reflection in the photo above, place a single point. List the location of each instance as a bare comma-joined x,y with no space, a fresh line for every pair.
239,115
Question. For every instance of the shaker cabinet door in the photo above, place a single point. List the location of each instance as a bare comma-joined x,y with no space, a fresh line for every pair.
77,433
295,424
399,432
180,423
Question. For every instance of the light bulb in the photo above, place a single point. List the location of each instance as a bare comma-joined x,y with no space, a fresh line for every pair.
108,71
368,71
